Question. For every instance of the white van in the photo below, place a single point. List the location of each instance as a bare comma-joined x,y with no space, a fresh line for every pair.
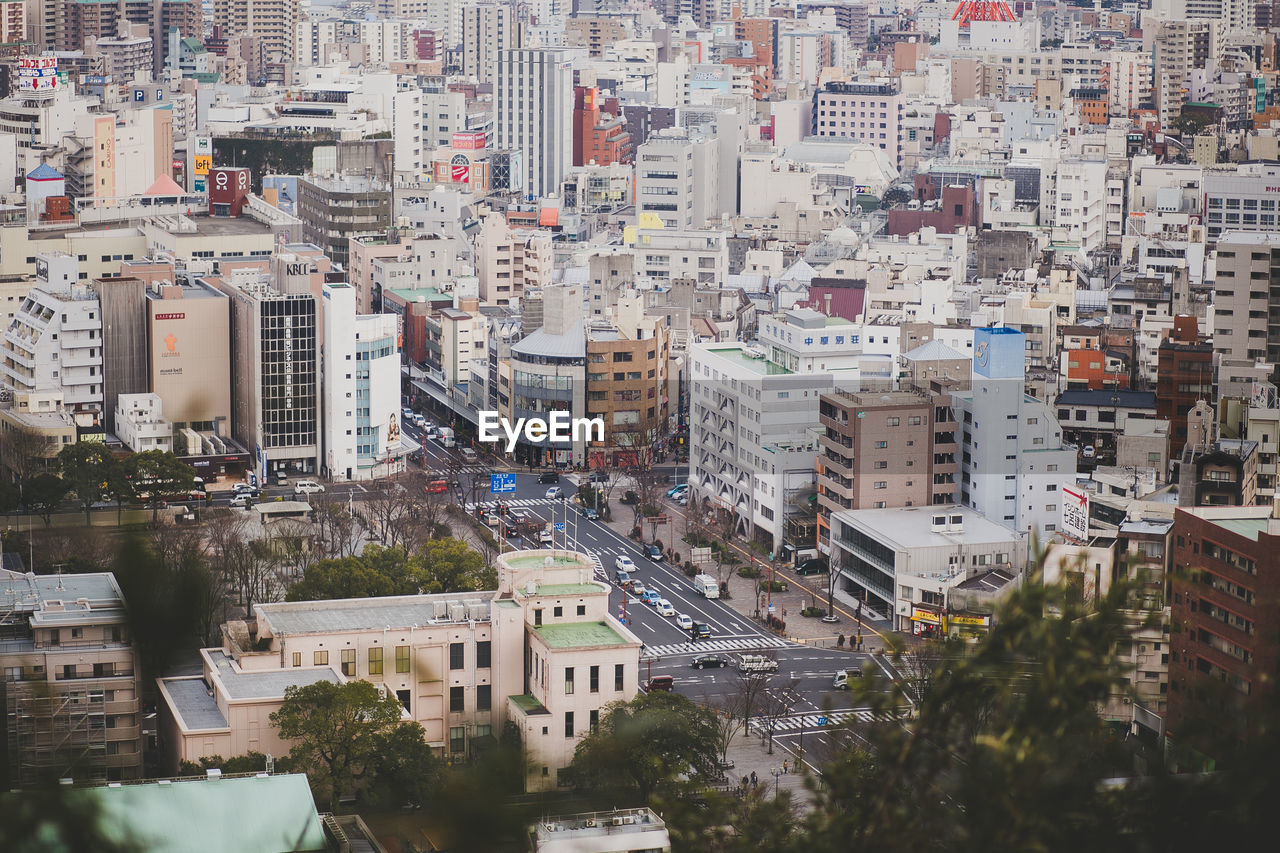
706,586
844,676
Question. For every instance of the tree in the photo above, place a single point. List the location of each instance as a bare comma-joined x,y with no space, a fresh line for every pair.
24,453
90,470
407,771
157,476
249,565
337,531
337,728
647,743
449,565
347,577
43,495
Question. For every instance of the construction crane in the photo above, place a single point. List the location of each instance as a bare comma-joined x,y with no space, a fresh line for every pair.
982,10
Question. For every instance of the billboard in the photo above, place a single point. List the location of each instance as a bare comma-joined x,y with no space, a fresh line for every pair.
190,357
384,401
37,74
1075,512
469,141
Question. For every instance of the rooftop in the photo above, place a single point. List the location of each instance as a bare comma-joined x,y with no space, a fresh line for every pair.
569,588
528,704
371,614
909,527
1106,397
537,561
190,700
579,635
264,684
1249,528
737,356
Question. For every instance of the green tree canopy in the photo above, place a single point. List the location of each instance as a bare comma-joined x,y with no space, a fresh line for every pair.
90,470
651,741
346,577
450,565
157,476
338,729
43,494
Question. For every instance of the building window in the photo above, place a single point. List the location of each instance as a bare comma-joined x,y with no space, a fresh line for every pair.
455,656
617,676
402,658
457,739
582,610
484,697
457,700
594,721
595,679
320,658
568,681
557,611
893,422
375,660
349,662
568,724
484,654
297,658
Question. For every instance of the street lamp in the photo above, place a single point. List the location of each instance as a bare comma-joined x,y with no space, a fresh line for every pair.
776,771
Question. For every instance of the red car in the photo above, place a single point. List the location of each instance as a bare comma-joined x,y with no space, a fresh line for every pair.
436,487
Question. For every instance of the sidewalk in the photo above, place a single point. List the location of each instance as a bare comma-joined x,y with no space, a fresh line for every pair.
750,754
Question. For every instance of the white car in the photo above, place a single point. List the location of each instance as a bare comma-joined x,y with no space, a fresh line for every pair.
684,623
664,608
625,564
555,493
307,487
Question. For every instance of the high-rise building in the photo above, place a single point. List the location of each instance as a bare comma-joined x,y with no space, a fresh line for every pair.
1248,271
600,137
1013,458
13,21
868,112
533,114
363,436
65,24
1181,47
677,178
488,28
71,680
333,210
1184,376
272,21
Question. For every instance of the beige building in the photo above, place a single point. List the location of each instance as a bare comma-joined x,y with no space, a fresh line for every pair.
1180,47
189,342
273,21
71,678
542,652
486,29
511,261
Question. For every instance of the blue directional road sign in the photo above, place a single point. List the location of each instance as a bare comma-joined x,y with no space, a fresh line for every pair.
559,527
822,721
502,483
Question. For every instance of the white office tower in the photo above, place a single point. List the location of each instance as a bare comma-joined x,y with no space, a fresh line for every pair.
533,114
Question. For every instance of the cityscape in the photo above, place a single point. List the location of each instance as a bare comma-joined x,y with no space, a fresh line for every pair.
743,426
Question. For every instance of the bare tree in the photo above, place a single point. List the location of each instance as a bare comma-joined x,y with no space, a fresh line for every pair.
337,530
25,453
388,512
251,564
775,703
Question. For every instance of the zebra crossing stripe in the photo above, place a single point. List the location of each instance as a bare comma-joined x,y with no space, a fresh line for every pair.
814,721
736,644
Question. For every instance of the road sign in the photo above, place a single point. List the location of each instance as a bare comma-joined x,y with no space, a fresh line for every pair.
559,527
502,483
822,721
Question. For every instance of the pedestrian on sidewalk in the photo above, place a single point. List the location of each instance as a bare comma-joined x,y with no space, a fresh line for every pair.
755,782
784,767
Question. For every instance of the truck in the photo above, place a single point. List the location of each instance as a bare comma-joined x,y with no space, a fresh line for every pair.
844,677
706,585
445,434
757,663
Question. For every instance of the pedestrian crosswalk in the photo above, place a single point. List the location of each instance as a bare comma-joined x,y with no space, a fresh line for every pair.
796,722
726,644
513,502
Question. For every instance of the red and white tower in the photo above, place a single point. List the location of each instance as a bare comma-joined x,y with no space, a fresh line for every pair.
982,10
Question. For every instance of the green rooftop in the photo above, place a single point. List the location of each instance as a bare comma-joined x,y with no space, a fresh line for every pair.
579,635
428,294
567,588
1249,528
528,704
760,365
538,561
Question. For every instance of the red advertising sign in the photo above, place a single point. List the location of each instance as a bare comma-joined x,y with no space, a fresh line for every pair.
469,141
461,173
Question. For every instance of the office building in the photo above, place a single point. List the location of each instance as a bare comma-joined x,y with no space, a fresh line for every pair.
533,114
1248,268
188,343
1184,376
868,112
1226,606
1013,458
1180,47
510,261
677,179
542,652
275,358
363,436
333,210
1244,200
71,691
600,136
902,564
487,29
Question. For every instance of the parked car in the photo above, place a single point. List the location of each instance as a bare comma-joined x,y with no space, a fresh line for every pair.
624,563
660,682
683,622
664,608
555,493
700,631
653,552
244,489
677,491
307,487
1089,452
704,661
549,477
816,566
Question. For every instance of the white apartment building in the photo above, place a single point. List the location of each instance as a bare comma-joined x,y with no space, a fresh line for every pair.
668,255
1080,202
55,339
363,436
869,112
1013,455
509,261
444,113
542,651
488,28
752,434
1243,200
677,179
533,113
140,423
